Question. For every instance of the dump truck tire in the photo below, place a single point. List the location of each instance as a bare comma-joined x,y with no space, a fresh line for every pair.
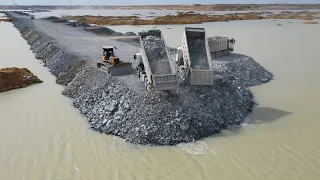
139,69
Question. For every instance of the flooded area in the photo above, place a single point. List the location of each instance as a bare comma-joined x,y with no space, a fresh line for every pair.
44,137
144,14
80,12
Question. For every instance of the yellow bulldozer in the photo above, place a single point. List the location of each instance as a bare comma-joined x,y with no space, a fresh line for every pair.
111,63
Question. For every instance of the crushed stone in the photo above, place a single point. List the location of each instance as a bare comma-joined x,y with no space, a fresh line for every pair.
156,117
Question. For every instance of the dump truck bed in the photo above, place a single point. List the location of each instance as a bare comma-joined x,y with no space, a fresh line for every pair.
156,60
156,52
197,55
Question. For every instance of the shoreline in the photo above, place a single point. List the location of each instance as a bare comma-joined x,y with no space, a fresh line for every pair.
15,78
189,18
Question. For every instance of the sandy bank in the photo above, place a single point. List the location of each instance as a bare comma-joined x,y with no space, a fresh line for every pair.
13,78
220,7
189,18
6,20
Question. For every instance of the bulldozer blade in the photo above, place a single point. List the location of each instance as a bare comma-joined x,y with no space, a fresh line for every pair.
103,67
121,70
117,70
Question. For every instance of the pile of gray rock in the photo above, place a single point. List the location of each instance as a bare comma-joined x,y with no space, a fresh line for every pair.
78,24
243,69
158,118
56,19
157,55
103,31
130,34
143,117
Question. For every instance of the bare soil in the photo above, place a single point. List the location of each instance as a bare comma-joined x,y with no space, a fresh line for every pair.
311,22
190,18
5,20
13,78
221,7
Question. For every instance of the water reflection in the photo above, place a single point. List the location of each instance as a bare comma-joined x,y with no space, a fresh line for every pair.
260,115
266,114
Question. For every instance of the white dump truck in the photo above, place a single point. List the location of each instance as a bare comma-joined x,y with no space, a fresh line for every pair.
193,59
220,46
153,62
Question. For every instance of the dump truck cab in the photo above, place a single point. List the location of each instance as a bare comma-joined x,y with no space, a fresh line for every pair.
232,41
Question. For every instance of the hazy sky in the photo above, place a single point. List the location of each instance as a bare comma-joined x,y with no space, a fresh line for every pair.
137,2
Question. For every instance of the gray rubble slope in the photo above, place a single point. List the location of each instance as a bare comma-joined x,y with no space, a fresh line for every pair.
141,117
243,69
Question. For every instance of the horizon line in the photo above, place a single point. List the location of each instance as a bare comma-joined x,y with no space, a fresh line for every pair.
162,4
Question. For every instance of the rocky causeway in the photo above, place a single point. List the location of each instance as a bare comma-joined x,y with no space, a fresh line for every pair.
121,106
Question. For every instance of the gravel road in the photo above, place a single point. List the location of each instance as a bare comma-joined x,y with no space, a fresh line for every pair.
89,45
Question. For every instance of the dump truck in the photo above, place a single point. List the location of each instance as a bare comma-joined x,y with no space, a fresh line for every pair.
112,64
221,46
193,59
153,63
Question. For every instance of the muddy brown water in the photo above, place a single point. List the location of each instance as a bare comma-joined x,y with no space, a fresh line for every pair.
43,137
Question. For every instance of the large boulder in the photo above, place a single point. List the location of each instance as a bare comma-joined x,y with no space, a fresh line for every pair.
130,34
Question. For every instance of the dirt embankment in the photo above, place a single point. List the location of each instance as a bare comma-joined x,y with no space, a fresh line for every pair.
115,105
311,22
13,78
6,20
189,18
219,7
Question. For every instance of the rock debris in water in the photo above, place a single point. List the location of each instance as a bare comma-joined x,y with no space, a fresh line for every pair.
157,55
198,54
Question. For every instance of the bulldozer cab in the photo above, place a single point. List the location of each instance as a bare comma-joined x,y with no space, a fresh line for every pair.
108,51
111,63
